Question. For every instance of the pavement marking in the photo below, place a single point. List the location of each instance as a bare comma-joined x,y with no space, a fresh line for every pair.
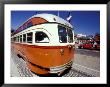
87,70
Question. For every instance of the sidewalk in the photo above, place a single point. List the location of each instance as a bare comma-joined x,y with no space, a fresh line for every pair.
14,70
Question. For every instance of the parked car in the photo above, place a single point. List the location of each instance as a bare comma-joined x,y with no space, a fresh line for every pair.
97,46
90,45
87,45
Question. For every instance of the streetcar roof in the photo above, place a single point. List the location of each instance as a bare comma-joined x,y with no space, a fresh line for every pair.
52,18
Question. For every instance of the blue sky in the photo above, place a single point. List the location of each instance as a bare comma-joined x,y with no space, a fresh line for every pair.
85,22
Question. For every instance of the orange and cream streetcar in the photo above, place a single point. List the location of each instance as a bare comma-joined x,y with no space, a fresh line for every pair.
46,42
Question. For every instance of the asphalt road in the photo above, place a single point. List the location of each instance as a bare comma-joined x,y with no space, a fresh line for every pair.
88,58
85,61
87,52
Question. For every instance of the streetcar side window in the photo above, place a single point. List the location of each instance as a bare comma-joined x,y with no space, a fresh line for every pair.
11,39
20,38
41,37
14,39
29,37
24,37
62,34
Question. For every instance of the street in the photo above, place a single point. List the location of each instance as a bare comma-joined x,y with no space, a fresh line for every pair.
89,60
86,63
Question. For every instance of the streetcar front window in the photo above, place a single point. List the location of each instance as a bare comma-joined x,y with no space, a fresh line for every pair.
65,34
70,35
62,34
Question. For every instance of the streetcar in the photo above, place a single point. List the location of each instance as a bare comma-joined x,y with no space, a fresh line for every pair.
46,43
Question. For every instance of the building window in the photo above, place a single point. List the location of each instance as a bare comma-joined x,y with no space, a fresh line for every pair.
41,37
29,37
24,37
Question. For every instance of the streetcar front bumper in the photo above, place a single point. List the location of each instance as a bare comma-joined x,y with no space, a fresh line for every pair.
61,68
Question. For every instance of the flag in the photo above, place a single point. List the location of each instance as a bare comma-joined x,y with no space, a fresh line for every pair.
69,17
